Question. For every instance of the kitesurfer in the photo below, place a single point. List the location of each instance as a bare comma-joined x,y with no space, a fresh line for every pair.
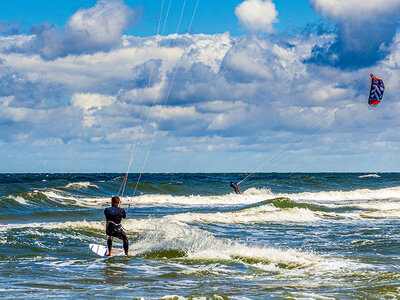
114,216
235,187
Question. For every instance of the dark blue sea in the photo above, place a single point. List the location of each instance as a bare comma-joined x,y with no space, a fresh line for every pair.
288,236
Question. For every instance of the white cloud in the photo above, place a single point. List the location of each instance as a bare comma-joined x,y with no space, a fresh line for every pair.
322,92
360,9
257,14
231,115
98,26
175,113
8,112
121,135
365,30
232,95
249,61
219,106
207,49
90,103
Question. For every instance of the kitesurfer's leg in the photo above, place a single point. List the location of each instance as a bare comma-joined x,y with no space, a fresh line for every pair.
109,244
122,236
126,243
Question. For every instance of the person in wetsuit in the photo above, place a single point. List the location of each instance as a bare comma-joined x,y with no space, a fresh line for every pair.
114,216
235,187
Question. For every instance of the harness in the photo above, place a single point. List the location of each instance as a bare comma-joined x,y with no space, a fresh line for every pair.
114,226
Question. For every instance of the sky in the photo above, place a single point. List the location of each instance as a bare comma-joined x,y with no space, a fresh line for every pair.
198,86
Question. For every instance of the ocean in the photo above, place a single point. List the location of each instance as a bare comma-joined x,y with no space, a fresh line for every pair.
288,236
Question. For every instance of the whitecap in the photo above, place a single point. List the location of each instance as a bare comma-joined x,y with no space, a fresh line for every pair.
369,176
80,185
260,214
359,194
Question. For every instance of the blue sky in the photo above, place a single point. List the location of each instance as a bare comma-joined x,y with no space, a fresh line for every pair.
267,85
212,16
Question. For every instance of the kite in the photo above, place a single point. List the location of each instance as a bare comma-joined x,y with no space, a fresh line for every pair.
376,93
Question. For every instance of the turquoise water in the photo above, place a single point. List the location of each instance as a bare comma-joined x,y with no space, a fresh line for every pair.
292,235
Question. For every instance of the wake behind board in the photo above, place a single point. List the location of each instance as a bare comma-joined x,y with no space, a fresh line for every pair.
102,251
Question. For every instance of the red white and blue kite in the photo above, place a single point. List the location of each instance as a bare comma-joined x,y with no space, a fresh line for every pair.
376,93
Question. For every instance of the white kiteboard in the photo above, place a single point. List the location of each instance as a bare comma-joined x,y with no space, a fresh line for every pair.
102,251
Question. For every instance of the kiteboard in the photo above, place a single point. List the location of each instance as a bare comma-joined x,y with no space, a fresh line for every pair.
103,251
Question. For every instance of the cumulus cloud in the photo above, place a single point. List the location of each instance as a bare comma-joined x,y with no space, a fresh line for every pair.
246,62
90,104
148,72
93,29
25,91
257,15
98,27
358,9
241,97
364,29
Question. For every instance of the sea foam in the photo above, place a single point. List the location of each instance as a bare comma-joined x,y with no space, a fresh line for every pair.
261,214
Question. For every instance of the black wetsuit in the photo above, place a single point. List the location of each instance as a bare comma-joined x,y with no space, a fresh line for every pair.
114,215
235,187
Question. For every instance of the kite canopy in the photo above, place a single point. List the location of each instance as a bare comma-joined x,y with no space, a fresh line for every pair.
376,93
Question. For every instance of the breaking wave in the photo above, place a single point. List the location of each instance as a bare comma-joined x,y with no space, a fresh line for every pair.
80,185
369,176
167,239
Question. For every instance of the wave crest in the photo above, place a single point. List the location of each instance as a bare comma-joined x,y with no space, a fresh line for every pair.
81,185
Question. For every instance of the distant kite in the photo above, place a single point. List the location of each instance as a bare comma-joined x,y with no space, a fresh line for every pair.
376,93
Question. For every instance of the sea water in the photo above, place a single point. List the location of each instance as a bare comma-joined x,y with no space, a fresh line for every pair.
291,235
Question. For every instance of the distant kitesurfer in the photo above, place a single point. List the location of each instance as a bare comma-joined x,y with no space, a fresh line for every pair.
114,215
235,187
